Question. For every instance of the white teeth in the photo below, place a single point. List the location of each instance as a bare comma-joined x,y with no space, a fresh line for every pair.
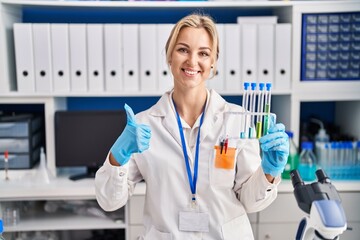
190,72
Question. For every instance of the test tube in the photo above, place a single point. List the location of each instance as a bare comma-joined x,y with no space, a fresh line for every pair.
335,149
252,131
245,96
348,153
326,157
341,152
333,153
267,107
6,164
358,153
260,106
245,106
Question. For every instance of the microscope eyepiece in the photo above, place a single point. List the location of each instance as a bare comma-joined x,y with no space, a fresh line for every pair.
321,176
296,178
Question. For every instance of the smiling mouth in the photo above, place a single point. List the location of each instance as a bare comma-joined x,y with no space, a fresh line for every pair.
190,72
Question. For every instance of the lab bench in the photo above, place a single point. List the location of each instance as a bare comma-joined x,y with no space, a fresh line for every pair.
30,197
279,221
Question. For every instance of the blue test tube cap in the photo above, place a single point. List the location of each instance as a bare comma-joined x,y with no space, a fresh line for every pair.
268,86
307,145
348,145
253,86
358,144
246,85
1,226
261,86
290,134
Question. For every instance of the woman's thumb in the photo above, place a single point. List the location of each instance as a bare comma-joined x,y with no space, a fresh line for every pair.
130,115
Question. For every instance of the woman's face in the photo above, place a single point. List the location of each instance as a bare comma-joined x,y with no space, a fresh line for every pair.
191,58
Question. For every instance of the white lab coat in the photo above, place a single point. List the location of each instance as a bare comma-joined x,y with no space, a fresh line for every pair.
227,195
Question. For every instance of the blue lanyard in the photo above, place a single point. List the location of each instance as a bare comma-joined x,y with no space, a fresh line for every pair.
186,158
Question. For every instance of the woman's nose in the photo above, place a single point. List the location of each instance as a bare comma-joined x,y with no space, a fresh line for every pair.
192,60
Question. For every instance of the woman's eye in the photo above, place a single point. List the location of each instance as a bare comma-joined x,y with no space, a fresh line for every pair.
204,54
183,50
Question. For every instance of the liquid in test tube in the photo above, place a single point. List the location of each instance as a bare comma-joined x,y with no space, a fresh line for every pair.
260,107
267,107
6,164
358,153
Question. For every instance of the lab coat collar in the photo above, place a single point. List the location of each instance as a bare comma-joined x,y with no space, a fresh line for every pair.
164,109
213,113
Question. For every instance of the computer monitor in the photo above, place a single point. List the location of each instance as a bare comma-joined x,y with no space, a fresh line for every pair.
84,138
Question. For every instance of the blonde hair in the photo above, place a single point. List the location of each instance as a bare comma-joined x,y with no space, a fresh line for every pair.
195,20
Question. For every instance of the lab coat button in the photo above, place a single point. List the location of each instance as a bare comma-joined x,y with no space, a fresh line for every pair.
121,174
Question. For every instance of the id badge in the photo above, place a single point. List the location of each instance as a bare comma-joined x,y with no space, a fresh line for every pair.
193,221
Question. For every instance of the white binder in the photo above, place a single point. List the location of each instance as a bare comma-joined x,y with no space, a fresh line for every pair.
232,58
42,57
113,57
148,58
217,82
282,56
249,52
131,57
24,57
257,19
60,57
95,57
164,74
78,58
266,48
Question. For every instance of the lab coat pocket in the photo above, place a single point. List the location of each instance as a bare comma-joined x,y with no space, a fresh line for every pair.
224,159
222,168
238,228
155,234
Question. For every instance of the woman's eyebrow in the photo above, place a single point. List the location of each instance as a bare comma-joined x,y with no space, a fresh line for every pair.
201,48
183,44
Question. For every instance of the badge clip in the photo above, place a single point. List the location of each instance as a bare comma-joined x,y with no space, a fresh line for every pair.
193,201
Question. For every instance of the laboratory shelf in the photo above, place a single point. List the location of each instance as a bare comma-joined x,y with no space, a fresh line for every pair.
320,90
14,95
141,4
63,188
24,187
285,185
163,4
59,188
63,221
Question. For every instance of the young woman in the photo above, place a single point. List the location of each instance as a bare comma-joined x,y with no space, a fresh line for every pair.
173,146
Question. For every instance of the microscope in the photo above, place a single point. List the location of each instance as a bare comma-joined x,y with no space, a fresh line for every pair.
320,200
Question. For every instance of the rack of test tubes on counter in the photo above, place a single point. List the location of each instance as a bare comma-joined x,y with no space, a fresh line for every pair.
255,118
340,160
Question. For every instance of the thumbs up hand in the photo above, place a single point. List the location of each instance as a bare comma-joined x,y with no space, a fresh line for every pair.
134,139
